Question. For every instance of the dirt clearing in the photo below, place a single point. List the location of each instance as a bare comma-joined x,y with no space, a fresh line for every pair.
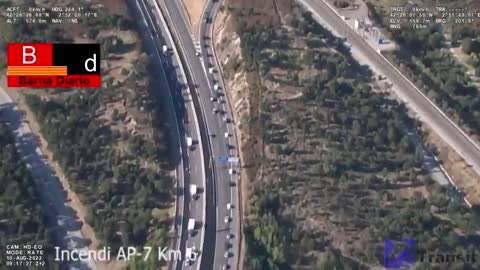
194,10
463,175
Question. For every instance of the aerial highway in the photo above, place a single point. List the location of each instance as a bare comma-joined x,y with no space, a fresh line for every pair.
191,165
206,39
426,109
221,231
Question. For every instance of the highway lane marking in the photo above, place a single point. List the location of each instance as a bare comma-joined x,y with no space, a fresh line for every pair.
203,176
210,89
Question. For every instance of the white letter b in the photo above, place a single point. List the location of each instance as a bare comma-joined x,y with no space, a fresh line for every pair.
31,54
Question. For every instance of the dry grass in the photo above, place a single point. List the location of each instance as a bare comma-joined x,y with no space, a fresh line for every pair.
256,12
463,174
238,83
241,83
194,9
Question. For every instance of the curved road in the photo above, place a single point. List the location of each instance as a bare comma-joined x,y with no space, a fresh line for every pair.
191,165
225,185
206,38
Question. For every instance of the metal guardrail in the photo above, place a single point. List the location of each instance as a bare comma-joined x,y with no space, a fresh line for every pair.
239,183
181,165
203,131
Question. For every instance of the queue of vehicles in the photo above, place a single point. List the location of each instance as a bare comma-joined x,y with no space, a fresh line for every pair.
194,192
191,226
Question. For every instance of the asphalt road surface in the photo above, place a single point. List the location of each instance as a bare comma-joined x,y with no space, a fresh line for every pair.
209,61
448,131
195,168
60,216
172,81
215,246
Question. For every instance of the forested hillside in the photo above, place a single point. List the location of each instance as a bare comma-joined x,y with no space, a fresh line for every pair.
337,171
22,219
425,56
111,142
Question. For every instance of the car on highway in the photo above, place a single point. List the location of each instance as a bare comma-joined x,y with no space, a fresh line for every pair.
191,226
214,111
229,206
227,254
225,267
230,235
194,191
189,141
213,99
227,219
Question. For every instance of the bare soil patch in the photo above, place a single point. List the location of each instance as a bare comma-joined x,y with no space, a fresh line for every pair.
462,174
238,84
194,9
241,83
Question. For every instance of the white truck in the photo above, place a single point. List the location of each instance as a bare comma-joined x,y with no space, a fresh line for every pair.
189,141
215,87
210,70
191,225
164,49
193,191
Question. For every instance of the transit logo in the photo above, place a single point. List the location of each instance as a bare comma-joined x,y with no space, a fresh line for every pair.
53,65
405,258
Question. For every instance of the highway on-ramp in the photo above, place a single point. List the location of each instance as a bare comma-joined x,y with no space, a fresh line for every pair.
426,110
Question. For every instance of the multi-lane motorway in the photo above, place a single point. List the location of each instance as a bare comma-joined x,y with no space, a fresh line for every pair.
206,39
218,251
426,110
173,80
